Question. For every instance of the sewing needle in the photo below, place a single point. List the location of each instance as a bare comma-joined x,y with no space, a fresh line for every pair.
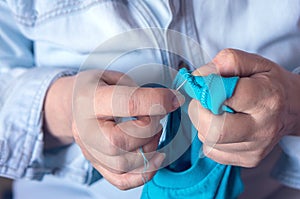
177,89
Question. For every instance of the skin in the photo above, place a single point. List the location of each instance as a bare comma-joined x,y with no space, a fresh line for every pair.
266,101
110,145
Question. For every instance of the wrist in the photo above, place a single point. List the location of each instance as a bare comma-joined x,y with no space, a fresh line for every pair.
58,113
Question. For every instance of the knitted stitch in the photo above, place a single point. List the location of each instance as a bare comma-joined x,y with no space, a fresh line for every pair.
211,90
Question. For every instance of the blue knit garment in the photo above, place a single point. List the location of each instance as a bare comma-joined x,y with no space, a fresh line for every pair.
191,176
211,90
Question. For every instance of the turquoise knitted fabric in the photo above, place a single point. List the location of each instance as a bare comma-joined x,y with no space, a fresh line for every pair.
211,90
191,176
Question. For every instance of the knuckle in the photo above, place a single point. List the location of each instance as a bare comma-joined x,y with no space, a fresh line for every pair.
254,160
121,184
275,96
231,55
278,100
251,164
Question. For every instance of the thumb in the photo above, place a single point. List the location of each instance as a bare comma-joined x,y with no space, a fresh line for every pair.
232,62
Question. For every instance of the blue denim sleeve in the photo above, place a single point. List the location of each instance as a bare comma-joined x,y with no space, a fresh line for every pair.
287,169
22,90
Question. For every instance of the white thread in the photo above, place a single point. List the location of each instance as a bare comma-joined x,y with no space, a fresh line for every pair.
146,162
164,126
146,166
177,89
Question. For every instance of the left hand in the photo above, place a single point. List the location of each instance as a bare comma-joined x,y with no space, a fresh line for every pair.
266,101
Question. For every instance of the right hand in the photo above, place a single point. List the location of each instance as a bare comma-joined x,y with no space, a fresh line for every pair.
113,147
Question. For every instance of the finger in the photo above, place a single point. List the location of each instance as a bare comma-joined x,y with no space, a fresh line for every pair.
86,83
242,99
231,62
127,161
123,101
94,78
135,178
247,159
124,181
225,128
245,98
79,142
127,136
142,127
117,164
107,137
117,78
205,70
236,147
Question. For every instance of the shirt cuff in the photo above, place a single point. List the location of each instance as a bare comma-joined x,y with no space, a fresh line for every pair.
21,137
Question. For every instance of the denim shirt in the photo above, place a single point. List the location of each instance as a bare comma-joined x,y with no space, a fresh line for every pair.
43,40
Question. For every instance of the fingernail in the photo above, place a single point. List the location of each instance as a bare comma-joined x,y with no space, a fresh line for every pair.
178,100
159,159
